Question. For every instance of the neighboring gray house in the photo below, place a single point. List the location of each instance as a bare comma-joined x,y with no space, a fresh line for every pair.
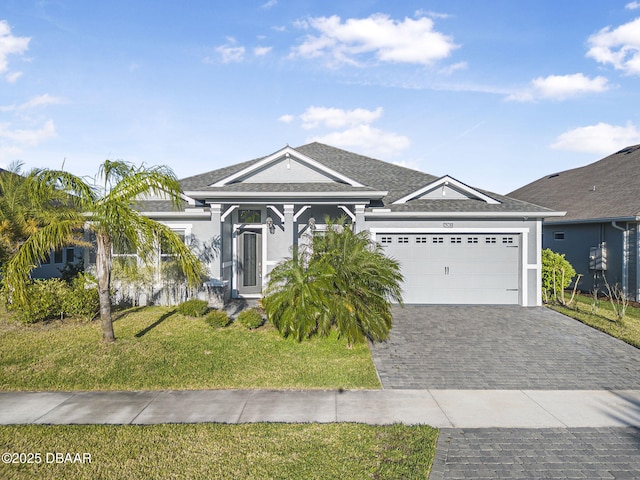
600,234
455,243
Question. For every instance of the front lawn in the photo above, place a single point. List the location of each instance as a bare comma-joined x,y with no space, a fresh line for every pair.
251,451
157,348
603,318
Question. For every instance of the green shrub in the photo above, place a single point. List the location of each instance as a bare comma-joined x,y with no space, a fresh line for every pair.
44,301
250,318
217,318
557,274
82,298
193,308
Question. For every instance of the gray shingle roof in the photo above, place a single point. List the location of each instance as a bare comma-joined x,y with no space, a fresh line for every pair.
376,175
606,189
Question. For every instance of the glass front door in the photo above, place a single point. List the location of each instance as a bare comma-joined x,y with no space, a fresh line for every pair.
250,262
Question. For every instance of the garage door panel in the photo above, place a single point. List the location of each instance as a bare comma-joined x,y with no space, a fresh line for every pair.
457,268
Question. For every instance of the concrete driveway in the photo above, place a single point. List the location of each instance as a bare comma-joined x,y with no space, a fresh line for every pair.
501,347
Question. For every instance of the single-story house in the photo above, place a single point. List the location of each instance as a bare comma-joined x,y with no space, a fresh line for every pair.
456,244
599,234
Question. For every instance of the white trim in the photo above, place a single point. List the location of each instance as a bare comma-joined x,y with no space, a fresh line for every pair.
227,212
277,212
538,265
446,180
377,230
488,214
363,194
234,255
348,212
524,266
180,226
286,152
300,212
177,215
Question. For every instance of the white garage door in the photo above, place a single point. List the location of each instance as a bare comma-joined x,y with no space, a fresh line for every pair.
457,268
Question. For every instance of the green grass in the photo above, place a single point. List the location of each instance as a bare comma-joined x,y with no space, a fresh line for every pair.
251,451
604,319
157,348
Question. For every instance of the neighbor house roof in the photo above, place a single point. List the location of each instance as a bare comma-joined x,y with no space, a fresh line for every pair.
385,182
608,189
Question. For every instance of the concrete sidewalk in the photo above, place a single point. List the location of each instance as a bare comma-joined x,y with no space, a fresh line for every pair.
439,408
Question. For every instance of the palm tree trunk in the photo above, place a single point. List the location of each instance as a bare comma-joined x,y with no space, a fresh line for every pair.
103,271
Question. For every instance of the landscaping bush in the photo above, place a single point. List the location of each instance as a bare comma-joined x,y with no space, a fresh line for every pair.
193,308
55,298
44,301
81,299
217,319
250,318
557,274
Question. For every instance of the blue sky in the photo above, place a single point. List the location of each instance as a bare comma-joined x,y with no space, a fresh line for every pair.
495,93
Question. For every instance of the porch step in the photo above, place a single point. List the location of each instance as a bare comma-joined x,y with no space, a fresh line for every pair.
236,305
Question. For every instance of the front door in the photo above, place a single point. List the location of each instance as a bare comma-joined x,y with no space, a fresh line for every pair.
250,262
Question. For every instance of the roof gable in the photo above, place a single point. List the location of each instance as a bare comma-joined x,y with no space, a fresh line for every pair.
446,188
286,166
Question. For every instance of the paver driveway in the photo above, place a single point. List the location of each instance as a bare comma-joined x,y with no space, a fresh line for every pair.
504,347
501,347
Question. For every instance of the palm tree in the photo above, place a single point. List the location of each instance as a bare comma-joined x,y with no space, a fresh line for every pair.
344,281
111,216
26,208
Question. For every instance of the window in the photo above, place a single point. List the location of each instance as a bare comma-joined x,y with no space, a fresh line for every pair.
250,216
558,235
70,255
57,256
456,239
385,240
403,239
472,240
507,240
490,240
166,252
421,239
438,239
123,248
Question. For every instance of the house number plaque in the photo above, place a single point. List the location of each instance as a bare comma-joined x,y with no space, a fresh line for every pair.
447,224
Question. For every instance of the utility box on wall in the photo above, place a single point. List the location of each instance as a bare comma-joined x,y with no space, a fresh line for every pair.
598,257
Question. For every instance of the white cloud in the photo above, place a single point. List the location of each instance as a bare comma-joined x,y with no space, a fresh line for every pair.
10,45
269,4
287,118
432,14
39,101
367,139
450,69
619,47
560,87
230,53
24,137
13,77
632,5
9,154
602,138
408,41
261,51
337,117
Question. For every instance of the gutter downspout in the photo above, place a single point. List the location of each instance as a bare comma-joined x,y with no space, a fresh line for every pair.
625,255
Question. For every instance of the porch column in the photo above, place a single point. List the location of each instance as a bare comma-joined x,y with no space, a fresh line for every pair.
359,221
289,232
214,266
